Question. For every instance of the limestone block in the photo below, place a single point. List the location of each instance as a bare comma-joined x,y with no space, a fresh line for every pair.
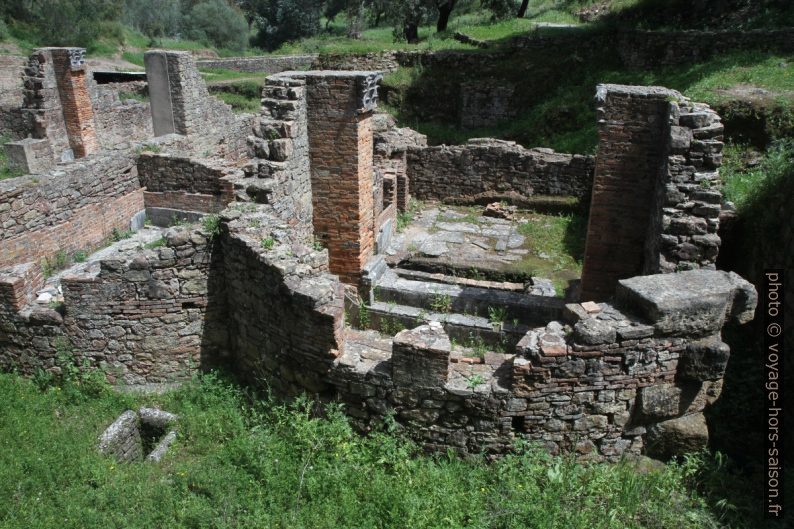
704,360
420,357
693,302
660,401
591,331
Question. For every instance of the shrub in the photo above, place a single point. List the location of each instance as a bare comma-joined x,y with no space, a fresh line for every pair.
281,21
217,23
154,18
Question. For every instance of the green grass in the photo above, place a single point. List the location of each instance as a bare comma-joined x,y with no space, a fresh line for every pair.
6,170
560,239
748,175
556,93
237,464
238,102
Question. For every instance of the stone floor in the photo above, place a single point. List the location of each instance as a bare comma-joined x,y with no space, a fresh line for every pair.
461,241
467,238
51,293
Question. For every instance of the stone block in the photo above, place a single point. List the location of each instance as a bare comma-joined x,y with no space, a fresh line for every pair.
692,303
591,331
677,436
31,156
660,401
704,360
420,357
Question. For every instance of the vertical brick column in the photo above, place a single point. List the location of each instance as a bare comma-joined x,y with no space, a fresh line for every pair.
632,155
340,108
78,114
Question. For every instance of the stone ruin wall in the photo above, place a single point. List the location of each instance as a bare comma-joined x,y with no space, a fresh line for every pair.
75,207
145,317
486,168
611,379
655,202
177,183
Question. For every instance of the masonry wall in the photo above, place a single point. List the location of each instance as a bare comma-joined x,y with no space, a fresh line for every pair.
146,316
264,64
143,318
285,312
187,184
341,152
75,207
279,173
120,122
488,168
632,135
12,121
687,202
42,105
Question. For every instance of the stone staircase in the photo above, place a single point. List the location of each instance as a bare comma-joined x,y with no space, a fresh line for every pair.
485,312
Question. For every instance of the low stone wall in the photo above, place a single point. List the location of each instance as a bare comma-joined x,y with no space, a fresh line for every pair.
644,49
120,122
142,317
261,64
186,184
146,316
74,207
487,167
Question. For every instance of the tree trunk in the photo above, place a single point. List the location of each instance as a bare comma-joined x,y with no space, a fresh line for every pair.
411,32
444,11
523,9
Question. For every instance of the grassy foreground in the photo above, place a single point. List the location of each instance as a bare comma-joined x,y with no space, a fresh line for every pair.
266,465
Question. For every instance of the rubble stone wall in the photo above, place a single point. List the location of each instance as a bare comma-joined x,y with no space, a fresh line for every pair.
176,182
263,64
488,167
655,202
75,207
120,122
148,316
12,121
285,312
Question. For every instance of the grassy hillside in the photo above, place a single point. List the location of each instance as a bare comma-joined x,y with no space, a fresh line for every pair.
237,464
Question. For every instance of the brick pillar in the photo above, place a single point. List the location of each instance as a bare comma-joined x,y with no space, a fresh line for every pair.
340,106
632,154
78,114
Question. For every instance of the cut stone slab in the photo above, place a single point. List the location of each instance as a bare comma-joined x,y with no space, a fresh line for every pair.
694,302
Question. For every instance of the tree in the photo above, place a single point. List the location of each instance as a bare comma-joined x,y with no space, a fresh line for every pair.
280,21
501,9
523,9
217,23
407,15
445,8
154,18
64,22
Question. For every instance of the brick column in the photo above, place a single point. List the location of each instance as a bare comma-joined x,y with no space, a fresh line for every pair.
78,114
632,155
340,106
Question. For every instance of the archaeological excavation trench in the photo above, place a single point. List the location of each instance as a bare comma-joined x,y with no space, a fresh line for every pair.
316,247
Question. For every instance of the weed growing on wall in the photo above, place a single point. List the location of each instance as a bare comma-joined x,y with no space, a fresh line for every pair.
211,225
